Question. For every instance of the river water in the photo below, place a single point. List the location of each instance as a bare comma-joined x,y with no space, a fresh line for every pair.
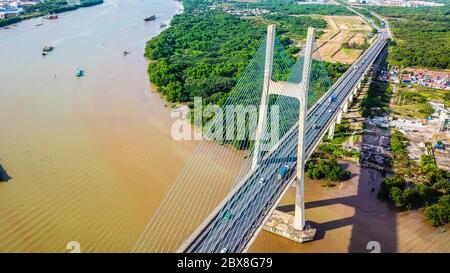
89,158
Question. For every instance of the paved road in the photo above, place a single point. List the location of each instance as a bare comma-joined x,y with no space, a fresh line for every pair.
240,216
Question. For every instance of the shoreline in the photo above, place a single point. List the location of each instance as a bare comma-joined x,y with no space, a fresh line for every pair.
4,23
153,88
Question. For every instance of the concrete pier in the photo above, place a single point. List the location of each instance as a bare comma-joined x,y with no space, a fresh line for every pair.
282,224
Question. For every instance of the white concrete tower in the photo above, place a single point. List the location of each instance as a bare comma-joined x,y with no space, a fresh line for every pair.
294,90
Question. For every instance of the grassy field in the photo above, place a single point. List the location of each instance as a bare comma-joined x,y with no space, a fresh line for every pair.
340,30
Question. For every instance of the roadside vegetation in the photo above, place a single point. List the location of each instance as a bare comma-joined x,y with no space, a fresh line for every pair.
376,100
47,7
422,35
326,169
323,164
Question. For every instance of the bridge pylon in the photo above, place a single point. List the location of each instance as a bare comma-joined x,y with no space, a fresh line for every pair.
295,90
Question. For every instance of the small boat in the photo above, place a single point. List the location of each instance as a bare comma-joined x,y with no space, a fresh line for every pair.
149,18
51,17
48,48
126,52
44,53
162,25
40,24
79,72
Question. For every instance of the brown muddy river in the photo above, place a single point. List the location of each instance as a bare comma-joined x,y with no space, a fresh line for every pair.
91,159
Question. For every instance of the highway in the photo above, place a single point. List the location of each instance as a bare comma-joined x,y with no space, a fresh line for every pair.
238,219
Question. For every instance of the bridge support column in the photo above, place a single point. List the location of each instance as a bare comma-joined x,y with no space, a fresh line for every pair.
331,130
345,107
339,117
299,218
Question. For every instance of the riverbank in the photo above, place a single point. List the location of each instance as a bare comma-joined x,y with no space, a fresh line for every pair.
42,11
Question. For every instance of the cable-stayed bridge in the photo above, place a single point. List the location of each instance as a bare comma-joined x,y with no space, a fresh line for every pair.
224,195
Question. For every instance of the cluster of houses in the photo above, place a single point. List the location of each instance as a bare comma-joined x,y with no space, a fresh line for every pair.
442,113
247,12
10,8
422,77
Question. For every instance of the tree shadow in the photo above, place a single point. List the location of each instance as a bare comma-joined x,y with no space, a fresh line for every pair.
4,177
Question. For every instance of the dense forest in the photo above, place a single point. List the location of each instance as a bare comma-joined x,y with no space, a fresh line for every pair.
204,52
422,36
202,55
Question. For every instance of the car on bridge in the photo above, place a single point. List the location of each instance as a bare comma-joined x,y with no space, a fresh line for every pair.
262,180
283,172
332,98
227,215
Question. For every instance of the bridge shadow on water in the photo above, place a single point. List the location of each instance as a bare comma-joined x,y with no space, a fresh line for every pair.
371,220
4,177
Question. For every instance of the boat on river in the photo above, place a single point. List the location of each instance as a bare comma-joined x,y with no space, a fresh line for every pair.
51,17
149,18
79,72
47,50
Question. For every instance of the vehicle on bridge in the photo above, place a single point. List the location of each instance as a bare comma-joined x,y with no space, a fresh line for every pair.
283,172
332,98
228,215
